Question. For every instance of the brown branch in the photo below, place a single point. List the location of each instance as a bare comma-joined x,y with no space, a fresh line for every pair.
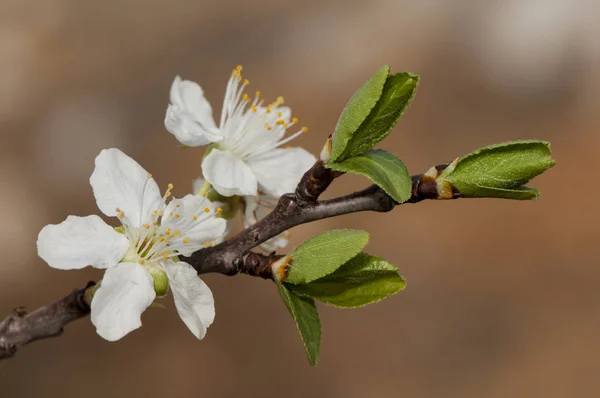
302,207
23,328
230,257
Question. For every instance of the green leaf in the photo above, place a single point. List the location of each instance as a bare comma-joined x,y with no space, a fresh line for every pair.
363,280
398,92
384,169
500,170
357,110
324,253
306,316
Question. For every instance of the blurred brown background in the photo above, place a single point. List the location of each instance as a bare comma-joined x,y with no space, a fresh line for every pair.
502,297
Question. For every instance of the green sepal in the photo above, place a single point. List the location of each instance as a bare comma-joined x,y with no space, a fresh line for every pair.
305,314
160,279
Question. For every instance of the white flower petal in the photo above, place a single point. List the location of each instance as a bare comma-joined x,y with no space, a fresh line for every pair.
250,216
196,185
228,228
119,181
125,292
81,241
193,299
228,174
279,171
189,95
278,242
188,131
206,228
254,212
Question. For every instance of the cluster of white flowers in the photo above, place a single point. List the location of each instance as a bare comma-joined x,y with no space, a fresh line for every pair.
141,257
247,157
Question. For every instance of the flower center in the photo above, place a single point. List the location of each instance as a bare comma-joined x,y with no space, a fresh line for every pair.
163,236
249,128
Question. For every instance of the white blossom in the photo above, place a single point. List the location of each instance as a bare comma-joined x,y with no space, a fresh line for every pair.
248,155
141,260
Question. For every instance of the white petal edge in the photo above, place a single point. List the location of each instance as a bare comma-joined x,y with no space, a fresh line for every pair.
193,299
190,96
81,241
228,174
119,181
279,171
207,228
188,131
125,292
254,212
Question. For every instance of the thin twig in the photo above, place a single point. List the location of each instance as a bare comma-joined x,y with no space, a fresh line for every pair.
23,328
230,257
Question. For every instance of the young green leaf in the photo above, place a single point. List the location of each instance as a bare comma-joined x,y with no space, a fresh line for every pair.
383,168
357,110
324,253
363,280
501,170
398,92
306,316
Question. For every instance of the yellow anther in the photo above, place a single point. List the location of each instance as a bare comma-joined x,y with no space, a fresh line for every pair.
246,82
171,214
286,125
257,93
267,126
149,175
304,129
177,233
253,108
268,109
239,77
155,223
206,210
178,205
206,244
206,193
294,120
120,213
155,212
170,186
168,231
195,218
146,226
177,216
279,100
142,261
212,243
186,240
162,239
166,255
219,210
279,114
239,67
